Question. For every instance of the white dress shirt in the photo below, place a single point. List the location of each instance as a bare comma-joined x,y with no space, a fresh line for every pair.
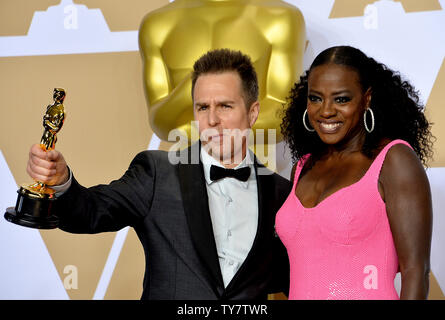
233,206
62,188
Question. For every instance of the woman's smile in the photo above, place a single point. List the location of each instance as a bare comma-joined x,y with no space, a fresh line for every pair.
329,127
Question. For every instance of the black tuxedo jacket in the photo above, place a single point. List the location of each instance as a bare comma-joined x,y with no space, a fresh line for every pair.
167,206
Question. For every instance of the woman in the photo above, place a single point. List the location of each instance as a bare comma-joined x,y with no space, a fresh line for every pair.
360,209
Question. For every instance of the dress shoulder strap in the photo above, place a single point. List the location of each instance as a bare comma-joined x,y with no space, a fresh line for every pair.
300,165
377,164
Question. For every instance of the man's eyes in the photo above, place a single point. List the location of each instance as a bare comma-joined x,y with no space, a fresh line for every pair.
205,107
222,106
201,108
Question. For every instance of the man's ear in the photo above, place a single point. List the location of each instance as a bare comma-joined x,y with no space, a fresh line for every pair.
254,111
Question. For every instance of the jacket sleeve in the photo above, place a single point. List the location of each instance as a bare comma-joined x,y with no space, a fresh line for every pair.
281,268
123,202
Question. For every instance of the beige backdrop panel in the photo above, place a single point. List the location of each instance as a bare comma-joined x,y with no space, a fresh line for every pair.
123,15
348,8
16,15
120,15
106,125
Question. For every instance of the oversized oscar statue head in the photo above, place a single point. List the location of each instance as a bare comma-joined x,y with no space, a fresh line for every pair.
172,38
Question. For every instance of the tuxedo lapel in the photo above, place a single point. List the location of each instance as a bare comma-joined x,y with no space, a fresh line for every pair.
264,185
196,207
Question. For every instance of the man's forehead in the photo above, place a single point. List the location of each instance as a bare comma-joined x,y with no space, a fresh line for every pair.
217,93
223,77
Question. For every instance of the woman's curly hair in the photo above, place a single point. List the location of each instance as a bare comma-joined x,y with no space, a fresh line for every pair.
396,105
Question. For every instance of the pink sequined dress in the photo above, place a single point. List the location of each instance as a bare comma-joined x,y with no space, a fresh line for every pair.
342,248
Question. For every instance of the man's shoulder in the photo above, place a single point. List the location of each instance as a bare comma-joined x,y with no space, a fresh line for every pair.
278,179
150,158
171,158
154,154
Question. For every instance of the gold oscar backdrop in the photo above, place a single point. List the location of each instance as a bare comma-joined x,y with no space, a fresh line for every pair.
91,48
271,32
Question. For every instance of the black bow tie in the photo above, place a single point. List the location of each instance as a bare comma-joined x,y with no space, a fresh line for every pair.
217,173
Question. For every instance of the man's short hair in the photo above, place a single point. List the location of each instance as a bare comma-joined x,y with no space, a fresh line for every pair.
226,60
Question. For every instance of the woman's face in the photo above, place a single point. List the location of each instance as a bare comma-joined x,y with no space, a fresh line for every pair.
336,103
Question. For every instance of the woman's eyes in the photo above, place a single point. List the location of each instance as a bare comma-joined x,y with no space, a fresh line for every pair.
340,100
313,98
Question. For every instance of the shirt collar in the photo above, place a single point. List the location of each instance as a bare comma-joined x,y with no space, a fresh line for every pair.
207,161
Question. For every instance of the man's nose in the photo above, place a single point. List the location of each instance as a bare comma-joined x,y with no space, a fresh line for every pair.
213,117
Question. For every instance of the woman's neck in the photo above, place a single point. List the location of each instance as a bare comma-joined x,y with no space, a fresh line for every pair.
344,148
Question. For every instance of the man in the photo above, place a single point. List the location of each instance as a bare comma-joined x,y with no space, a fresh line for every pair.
205,236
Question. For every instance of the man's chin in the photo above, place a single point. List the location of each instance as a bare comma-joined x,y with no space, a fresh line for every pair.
224,156
216,150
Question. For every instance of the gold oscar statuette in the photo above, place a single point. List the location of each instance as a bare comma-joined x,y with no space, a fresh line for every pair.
36,203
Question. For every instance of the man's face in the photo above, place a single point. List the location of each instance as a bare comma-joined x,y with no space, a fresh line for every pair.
222,115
